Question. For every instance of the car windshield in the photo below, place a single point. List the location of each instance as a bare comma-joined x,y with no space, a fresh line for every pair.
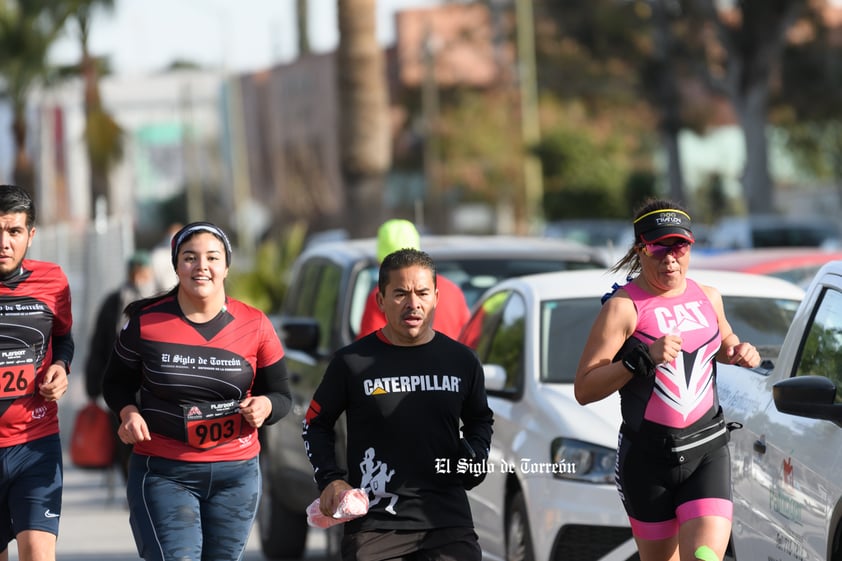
473,276
593,232
798,275
565,325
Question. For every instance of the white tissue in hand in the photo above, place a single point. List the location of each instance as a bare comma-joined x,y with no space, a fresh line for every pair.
353,503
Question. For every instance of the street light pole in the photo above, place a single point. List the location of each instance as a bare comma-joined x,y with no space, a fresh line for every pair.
192,173
530,123
430,111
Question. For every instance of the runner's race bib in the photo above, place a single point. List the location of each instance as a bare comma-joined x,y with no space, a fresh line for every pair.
17,374
210,424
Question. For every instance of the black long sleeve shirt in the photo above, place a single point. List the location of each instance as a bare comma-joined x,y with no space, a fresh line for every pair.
404,407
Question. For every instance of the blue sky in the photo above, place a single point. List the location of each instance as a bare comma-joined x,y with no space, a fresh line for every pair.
237,35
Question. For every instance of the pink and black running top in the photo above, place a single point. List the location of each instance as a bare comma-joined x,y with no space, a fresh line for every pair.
684,390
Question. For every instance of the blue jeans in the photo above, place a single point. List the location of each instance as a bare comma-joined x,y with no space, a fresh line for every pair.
192,511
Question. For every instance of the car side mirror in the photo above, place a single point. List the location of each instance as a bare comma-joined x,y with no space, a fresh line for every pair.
495,377
300,334
808,396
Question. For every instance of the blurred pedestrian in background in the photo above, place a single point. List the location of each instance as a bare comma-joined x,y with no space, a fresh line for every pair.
656,341
37,348
193,375
452,312
161,261
405,390
139,283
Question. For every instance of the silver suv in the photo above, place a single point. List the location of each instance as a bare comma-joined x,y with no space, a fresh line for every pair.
328,288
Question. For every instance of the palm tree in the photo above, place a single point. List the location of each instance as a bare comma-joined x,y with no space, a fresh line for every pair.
103,136
365,142
302,20
27,30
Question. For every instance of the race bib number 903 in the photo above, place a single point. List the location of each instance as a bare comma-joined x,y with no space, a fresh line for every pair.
17,381
211,424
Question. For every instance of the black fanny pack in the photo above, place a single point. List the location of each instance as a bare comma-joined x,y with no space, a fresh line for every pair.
682,447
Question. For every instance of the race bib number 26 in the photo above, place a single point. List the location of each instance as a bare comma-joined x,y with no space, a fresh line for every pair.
211,424
17,381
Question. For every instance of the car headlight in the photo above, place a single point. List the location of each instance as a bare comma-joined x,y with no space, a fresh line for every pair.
582,461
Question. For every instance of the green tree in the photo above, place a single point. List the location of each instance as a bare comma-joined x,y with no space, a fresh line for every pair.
609,57
605,52
27,29
752,35
804,104
266,285
481,148
588,161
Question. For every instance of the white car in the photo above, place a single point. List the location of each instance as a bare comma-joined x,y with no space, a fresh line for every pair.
787,458
549,494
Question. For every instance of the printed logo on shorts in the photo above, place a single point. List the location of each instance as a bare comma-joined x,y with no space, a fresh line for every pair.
49,514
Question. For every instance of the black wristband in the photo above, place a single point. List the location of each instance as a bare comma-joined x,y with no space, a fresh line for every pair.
471,464
638,362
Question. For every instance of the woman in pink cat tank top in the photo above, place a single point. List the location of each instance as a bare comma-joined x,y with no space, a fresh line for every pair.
656,341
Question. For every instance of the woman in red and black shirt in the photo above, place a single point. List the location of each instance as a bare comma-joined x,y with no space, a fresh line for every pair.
193,375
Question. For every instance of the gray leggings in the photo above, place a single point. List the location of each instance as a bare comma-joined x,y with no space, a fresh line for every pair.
192,511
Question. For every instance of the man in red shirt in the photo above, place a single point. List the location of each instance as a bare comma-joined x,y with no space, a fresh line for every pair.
35,354
452,312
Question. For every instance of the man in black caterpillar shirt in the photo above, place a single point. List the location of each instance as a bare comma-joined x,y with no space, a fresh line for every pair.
404,390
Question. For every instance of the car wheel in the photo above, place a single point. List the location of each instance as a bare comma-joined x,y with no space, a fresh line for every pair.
518,538
283,533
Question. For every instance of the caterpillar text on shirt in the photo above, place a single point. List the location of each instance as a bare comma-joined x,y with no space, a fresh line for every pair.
422,383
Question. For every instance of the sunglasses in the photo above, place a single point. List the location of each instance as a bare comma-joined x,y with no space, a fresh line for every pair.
658,251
